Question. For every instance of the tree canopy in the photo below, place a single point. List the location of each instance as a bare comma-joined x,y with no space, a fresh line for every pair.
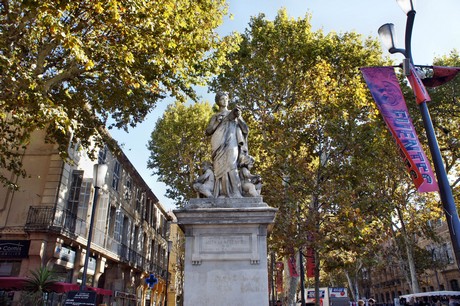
178,147
71,67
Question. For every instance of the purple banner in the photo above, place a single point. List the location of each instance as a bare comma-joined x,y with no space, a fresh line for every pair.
385,90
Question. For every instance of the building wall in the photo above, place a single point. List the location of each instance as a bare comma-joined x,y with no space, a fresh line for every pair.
387,284
176,265
51,211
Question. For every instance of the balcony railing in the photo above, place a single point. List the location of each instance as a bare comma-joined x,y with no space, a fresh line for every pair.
66,223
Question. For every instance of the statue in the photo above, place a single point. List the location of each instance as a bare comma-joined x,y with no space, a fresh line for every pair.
228,133
251,184
204,184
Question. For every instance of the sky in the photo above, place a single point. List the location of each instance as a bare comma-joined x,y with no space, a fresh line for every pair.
436,32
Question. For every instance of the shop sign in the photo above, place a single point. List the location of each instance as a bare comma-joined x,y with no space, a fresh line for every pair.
125,295
67,254
14,248
80,298
338,292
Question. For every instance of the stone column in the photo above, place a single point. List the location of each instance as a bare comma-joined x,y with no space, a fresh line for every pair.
226,251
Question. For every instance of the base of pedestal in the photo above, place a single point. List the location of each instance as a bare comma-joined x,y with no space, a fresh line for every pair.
226,251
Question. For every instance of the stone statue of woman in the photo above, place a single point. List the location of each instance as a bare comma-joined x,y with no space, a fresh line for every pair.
229,134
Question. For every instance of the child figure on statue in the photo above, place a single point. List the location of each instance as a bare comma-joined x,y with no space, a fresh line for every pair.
204,184
251,184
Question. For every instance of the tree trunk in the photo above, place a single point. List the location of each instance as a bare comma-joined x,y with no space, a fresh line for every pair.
410,255
291,285
351,284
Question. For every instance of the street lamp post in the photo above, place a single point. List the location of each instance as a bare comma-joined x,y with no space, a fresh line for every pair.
386,33
302,278
167,272
100,170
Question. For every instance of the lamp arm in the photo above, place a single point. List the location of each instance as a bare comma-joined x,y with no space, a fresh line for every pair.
408,38
397,50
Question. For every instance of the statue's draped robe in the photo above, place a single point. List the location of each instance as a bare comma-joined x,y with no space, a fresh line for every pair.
228,143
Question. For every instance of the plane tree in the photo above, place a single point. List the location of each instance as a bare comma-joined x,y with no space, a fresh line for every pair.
74,67
178,147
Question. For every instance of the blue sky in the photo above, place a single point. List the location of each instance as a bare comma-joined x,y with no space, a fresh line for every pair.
436,32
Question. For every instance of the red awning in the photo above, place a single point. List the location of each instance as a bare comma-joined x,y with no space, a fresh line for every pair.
101,291
17,283
61,287
12,283
66,287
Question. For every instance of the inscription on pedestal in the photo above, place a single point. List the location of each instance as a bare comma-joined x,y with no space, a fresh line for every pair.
227,243
225,246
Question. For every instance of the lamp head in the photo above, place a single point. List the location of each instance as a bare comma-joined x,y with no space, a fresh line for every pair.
386,33
99,173
407,5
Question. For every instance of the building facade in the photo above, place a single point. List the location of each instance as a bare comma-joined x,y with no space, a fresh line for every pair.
46,223
386,285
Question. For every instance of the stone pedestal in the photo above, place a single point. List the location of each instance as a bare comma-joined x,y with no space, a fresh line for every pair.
226,251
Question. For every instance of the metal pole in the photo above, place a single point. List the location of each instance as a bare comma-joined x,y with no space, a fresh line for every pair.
445,191
167,274
273,278
90,235
302,278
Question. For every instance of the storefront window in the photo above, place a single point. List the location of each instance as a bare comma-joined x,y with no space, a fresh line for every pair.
10,268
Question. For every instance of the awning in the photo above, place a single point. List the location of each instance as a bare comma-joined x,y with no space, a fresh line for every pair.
17,283
12,283
430,293
101,291
61,287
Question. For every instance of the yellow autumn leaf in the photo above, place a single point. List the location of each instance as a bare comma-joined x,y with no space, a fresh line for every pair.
89,64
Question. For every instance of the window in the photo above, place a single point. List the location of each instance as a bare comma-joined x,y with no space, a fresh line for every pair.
111,221
10,268
101,219
85,198
102,156
147,210
449,253
454,285
139,198
81,216
116,175
74,191
128,188
73,201
125,239
118,225
136,242
154,257
154,218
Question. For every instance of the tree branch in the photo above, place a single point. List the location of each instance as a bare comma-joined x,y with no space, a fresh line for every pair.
73,71
44,52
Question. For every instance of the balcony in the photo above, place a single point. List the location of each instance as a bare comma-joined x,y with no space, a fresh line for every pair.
66,223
